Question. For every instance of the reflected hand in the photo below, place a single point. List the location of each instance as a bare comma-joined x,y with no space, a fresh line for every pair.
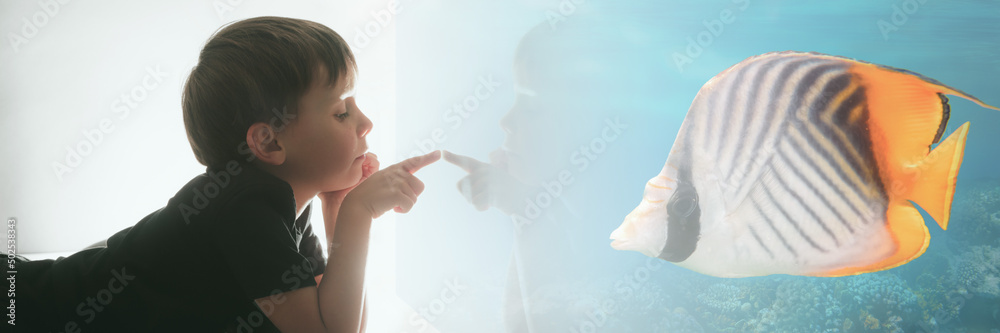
489,185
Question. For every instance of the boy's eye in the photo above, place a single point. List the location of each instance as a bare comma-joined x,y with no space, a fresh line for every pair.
341,116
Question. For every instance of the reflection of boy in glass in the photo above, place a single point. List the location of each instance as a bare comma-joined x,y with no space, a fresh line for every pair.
567,142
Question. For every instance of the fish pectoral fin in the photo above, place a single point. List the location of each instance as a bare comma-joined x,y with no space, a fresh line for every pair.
909,236
933,187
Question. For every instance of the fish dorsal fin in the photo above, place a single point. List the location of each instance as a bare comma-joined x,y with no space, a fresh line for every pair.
908,113
905,114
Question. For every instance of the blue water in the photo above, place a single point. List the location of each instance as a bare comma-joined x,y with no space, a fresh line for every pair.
639,64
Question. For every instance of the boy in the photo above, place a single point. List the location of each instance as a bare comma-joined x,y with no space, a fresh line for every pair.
266,110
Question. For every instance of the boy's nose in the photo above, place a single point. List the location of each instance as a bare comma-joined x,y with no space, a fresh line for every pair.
365,126
508,121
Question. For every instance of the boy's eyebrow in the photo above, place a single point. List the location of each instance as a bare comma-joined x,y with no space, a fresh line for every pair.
350,87
348,92
336,105
333,102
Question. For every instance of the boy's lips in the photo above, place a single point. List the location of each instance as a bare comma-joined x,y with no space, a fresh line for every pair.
364,152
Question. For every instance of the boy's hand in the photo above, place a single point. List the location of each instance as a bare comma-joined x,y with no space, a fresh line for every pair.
394,187
368,167
489,185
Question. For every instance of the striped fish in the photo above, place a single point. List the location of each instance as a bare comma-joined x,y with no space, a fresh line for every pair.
803,164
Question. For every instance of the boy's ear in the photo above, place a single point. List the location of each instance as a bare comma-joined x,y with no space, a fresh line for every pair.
263,142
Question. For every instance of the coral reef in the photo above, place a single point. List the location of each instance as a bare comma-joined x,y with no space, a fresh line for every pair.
882,294
978,271
976,212
678,320
723,298
877,301
870,322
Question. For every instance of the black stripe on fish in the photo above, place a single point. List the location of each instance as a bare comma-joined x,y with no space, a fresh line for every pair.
786,69
683,219
863,192
831,158
708,105
856,133
721,108
747,90
830,185
759,241
740,159
796,102
711,115
803,204
816,193
760,212
848,152
794,223
843,113
946,113
748,108
857,140
733,89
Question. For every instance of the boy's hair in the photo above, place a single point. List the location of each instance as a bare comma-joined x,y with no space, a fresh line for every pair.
253,71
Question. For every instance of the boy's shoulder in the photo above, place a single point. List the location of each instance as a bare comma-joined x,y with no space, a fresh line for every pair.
236,188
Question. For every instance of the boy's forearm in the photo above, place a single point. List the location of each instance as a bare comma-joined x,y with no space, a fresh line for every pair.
341,292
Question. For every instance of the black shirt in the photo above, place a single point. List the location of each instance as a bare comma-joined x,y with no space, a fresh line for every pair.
226,238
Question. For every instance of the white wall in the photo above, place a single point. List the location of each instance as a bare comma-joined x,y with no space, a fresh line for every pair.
67,75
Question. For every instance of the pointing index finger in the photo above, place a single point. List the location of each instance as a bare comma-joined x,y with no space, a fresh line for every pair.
414,164
468,164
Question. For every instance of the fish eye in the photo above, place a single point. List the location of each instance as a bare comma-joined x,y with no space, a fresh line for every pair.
683,203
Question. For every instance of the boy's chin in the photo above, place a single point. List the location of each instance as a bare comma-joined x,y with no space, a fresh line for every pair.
342,184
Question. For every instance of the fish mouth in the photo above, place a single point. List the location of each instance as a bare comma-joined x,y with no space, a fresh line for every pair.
618,239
